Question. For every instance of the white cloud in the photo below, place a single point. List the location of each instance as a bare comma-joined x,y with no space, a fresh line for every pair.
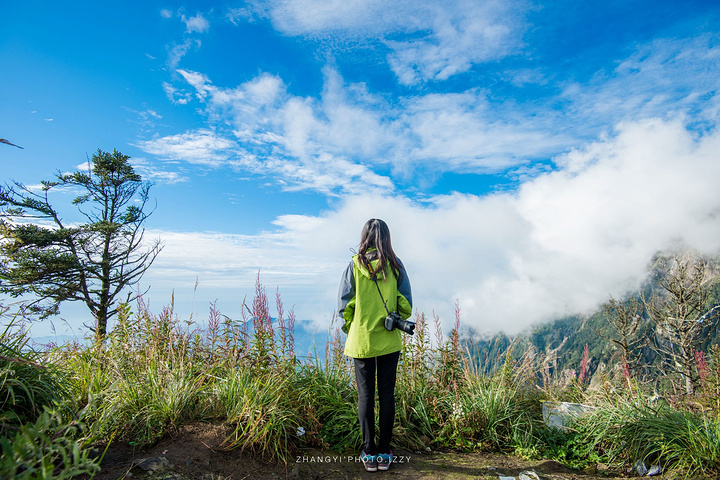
559,245
662,77
593,226
196,24
464,133
341,140
567,238
165,13
460,35
225,269
425,40
334,143
301,143
240,256
178,97
177,51
201,147
38,187
153,173
526,76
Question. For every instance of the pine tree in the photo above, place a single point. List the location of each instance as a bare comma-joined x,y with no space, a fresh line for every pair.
46,262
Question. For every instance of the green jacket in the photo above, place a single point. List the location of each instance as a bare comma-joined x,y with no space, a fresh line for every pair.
360,305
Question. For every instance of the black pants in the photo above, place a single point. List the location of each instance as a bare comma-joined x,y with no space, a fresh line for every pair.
386,366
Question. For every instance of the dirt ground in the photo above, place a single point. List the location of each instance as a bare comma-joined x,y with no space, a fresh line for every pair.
194,453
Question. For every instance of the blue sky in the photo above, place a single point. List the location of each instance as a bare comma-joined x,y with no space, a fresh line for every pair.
529,157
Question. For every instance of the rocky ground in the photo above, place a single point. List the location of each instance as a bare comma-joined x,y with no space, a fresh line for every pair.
194,453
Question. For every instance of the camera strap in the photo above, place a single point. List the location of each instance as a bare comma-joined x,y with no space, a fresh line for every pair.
374,279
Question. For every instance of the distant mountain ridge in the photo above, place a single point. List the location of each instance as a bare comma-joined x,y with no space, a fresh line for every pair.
309,342
562,341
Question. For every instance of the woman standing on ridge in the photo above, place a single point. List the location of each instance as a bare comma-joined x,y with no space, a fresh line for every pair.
374,285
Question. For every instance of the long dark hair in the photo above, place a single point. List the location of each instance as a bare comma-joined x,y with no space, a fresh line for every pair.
376,234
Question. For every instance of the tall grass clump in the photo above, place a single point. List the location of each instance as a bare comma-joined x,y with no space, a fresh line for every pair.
42,435
146,404
259,410
27,381
443,403
419,392
329,401
498,413
142,382
653,432
155,373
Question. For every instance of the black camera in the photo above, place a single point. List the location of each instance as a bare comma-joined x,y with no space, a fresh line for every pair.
394,320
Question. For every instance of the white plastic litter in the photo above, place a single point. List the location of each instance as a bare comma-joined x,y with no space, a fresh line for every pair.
654,470
528,475
640,468
559,414
506,478
643,470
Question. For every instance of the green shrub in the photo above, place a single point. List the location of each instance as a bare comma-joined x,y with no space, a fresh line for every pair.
27,381
51,447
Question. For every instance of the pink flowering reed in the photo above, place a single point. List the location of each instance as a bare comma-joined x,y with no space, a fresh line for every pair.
702,367
281,319
291,333
584,364
438,329
261,310
456,331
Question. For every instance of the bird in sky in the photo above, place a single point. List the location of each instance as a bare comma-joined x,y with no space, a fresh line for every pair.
2,140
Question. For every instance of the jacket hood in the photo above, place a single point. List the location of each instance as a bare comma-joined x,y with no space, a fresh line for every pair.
361,268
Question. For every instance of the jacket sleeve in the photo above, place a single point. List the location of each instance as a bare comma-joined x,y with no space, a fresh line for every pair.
404,300
346,297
